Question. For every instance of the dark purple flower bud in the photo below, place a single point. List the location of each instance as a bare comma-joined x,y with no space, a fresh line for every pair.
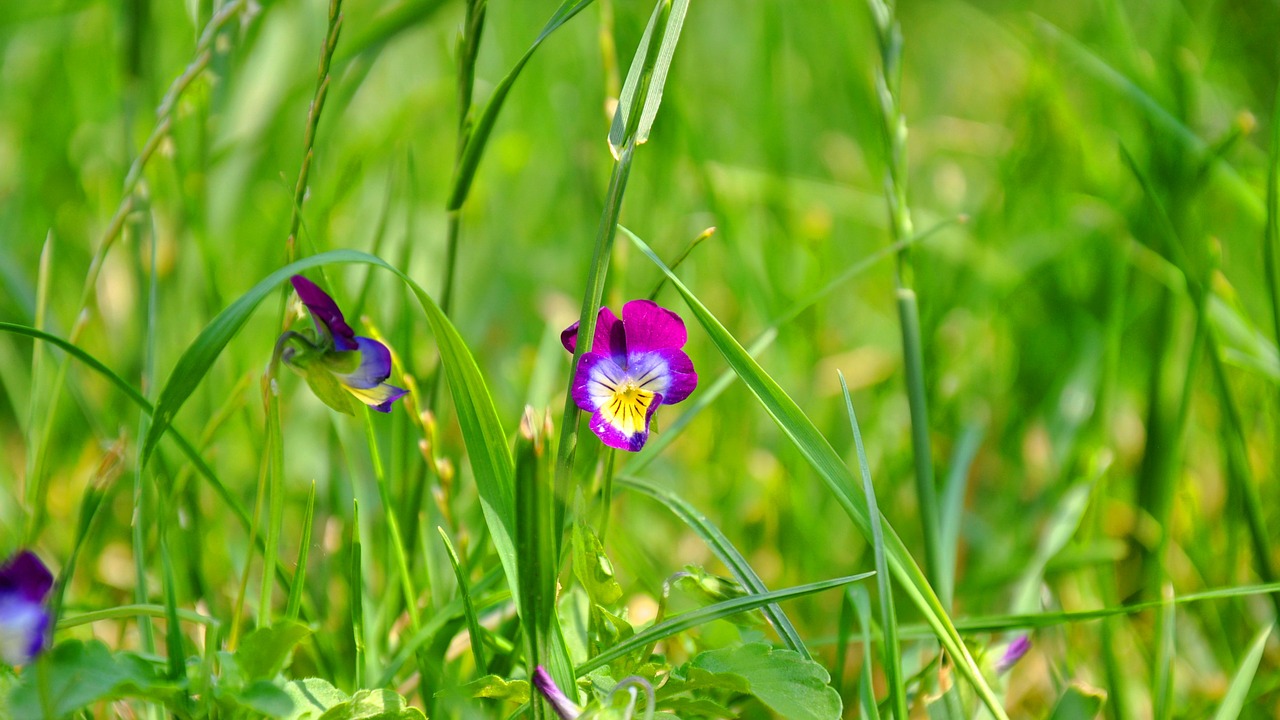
24,584
1013,653
564,707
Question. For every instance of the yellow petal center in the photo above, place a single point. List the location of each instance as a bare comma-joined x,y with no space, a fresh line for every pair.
627,407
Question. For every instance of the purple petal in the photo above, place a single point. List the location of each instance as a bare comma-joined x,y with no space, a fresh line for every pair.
23,626
379,398
324,311
668,372
594,381
1013,653
651,327
560,702
610,337
25,577
375,365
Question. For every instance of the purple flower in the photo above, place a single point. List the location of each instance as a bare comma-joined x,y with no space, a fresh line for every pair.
1013,653
563,706
338,360
24,584
634,365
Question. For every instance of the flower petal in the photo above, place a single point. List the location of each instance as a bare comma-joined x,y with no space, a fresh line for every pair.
374,367
23,626
325,313
610,337
668,372
652,327
560,702
595,380
380,397
621,427
24,576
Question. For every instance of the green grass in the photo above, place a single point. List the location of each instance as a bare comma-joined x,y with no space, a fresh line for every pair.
1053,300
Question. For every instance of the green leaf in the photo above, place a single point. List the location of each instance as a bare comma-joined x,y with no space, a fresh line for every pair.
313,697
495,687
373,705
1079,703
263,698
831,468
647,75
592,567
81,674
791,686
1234,701
263,653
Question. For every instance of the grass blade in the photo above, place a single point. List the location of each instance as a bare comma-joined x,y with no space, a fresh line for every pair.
888,616
728,554
468,607
818,452
717,611
1234,701
304,550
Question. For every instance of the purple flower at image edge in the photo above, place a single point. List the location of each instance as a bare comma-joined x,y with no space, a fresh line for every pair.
564,707
633,365
24,621
340,358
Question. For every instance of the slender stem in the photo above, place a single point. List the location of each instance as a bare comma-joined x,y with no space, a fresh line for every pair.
393,525
275,483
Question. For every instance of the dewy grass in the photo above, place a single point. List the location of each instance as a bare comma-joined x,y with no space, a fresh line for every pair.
1096,346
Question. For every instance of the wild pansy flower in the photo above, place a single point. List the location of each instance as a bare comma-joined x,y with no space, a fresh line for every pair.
569,710
634,365
564,707
337,364
24,584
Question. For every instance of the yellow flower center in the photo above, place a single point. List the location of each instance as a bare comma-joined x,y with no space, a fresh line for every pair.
627,408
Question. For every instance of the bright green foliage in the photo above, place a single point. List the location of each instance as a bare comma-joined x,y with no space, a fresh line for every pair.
791,686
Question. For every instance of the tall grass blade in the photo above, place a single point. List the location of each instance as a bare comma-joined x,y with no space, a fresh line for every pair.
294,605
952,509
724,549
703,615
468,607
818,452
888,615
1238,692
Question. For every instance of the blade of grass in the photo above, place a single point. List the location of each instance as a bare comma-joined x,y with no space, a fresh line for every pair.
356,584
1237,693
952,510
818,452
861,599
888,615
468,607
304,548
703,615
724,549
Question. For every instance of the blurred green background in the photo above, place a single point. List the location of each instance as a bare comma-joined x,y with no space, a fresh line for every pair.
1059,319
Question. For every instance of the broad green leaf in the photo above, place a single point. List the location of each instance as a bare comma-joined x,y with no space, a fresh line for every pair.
313,697
725,550
827,463
1238,693
790,685
263,653
83,673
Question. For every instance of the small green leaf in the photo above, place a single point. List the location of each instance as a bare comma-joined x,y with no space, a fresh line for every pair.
1237,694
373,705
592,567
313,697
790,685
1079,703
264,651
496,687
264,698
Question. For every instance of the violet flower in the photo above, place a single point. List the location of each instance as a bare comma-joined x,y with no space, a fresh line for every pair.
634,365
24,620
564,707
1013,653
337,364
